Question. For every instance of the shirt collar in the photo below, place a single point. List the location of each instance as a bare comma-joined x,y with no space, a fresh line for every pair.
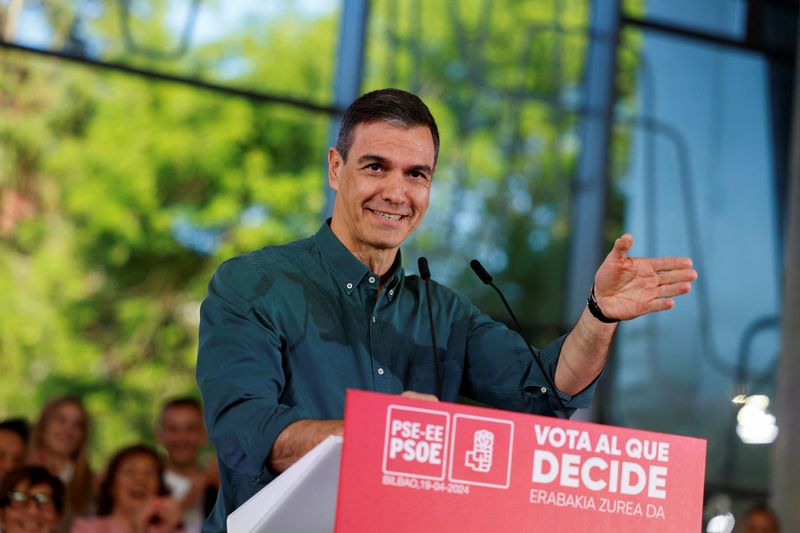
393,283
348,269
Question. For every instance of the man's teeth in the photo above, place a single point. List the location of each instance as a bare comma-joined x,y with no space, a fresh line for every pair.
387,216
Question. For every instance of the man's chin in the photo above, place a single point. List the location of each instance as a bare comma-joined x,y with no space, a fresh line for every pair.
184,462
387,245
388,238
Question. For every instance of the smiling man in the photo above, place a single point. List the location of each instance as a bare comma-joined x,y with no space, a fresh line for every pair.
285,330
382,182
182,434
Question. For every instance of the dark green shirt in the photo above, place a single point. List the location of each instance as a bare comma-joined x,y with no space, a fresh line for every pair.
285,330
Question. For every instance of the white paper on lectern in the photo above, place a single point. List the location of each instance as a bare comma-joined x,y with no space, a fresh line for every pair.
301,500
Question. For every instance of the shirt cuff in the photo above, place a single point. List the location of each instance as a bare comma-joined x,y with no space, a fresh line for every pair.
583,399
537,384
247,452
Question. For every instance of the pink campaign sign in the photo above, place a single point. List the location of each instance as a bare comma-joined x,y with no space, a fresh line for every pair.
410,465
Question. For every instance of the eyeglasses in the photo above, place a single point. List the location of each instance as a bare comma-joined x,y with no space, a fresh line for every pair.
19,500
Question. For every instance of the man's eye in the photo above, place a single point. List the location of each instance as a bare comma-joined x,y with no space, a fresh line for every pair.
375,167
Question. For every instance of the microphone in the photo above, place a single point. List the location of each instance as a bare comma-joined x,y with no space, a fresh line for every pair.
485,277
425,275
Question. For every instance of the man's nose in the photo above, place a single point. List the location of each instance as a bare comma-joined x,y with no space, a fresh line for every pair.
394,188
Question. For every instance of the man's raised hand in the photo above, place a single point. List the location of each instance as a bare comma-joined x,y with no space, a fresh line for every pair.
628,287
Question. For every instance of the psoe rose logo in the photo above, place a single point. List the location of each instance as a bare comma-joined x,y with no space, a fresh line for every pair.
479,458
481,451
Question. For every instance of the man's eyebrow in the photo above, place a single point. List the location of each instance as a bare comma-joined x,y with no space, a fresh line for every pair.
373,158
425,169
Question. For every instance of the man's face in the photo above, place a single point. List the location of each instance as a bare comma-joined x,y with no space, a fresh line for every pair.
383,189
12,452
183,434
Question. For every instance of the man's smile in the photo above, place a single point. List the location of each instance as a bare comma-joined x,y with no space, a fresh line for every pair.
387,216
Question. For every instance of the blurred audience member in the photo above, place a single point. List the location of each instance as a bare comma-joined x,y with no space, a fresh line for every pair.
13,440
183,434
31,501
60,443
133,497
760,519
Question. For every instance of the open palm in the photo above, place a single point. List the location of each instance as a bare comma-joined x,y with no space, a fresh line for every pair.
628,287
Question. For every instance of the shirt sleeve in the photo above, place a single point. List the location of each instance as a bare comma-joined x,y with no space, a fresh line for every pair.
501,372
240,369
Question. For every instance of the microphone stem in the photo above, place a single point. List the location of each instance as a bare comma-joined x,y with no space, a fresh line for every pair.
508,307
436,370
534,354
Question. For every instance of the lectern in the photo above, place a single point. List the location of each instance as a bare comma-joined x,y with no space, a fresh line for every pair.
411,465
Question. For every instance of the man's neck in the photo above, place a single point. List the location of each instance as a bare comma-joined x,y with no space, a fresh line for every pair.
184,470
378,261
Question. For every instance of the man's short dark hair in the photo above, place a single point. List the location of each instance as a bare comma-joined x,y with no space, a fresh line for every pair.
398,108
18,426
183,401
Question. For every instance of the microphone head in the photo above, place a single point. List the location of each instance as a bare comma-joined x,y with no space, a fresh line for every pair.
424,271
477,267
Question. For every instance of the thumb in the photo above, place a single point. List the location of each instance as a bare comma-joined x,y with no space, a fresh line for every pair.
622,246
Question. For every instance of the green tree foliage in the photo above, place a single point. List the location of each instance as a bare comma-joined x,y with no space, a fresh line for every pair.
119,196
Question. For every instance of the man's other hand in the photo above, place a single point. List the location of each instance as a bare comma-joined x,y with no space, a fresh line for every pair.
420,396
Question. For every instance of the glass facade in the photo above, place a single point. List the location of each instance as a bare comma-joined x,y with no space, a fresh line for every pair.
705,179
207,41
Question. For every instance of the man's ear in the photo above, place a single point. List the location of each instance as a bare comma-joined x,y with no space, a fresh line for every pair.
335,164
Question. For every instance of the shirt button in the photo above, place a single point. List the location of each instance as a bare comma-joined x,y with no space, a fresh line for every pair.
380,371
544,390
371,279
349,286
373,319
391,292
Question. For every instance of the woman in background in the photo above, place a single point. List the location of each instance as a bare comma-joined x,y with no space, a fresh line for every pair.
133,497
31,501
60,443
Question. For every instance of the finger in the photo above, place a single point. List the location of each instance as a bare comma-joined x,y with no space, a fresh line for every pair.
673,289
676,276
621,246
420,396
654,306
660,264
